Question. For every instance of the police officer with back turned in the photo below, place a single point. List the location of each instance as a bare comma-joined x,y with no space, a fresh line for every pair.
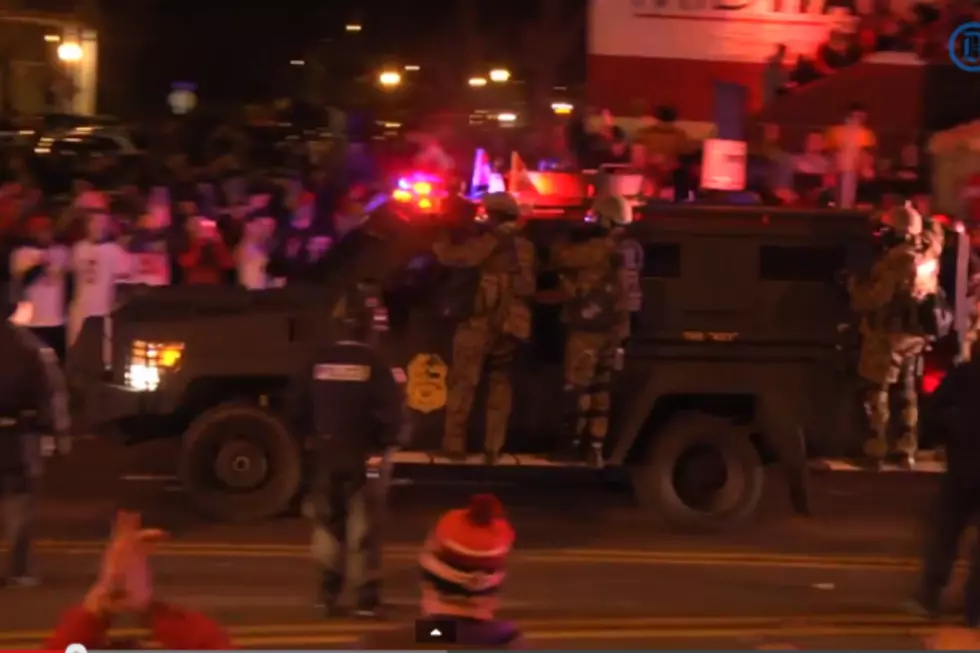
353,403
33,400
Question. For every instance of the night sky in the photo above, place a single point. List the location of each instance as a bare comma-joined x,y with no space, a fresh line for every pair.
239,50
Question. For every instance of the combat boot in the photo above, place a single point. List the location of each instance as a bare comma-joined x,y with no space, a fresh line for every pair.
369,604
328,593
593,457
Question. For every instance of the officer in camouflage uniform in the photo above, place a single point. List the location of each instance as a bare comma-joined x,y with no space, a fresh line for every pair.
893,338
597,318
498,321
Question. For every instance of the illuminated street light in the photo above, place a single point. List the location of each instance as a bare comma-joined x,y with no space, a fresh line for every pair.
52,38
507,117
70,52
478,81
561,108
413,69
389,79
353,27
499,75
297,62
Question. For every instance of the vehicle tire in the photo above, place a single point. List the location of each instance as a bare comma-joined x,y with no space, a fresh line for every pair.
239,463
663,481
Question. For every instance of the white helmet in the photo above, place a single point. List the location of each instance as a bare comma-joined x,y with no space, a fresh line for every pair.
613,210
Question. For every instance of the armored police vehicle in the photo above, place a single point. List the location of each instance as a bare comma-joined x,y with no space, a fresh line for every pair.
743,355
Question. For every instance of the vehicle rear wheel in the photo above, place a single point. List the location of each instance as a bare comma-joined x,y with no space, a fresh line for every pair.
700,474
239,463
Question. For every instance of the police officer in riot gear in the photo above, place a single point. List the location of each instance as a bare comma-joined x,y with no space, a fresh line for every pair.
490,302
352,401
33,400
596,315
897,305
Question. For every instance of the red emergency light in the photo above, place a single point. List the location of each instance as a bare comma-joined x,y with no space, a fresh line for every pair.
419,193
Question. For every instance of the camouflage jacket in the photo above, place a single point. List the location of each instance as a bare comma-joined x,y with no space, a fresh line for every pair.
886,298
508,275
584,266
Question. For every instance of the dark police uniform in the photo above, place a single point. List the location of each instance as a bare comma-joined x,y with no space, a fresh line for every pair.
950,418
33,400
355,409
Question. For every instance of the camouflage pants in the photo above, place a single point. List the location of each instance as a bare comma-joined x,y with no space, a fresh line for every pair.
348,509
590,360
475,345
887,362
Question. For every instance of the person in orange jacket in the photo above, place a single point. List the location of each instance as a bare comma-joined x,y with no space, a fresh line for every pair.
125,586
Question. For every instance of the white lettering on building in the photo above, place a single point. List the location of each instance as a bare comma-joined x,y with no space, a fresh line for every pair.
745,31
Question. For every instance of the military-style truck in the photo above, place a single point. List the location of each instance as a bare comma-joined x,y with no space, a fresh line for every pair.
743,355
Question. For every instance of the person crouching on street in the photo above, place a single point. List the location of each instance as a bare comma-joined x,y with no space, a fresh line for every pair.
463,566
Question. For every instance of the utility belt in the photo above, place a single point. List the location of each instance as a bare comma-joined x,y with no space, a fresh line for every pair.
902,318
16,451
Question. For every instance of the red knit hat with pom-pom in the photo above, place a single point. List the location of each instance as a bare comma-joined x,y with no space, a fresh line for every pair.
464,559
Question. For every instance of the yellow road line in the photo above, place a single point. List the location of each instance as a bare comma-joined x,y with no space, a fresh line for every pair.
640,560
558,556
605,553
699,623
578,633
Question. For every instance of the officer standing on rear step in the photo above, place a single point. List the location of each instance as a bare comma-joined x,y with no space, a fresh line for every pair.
597,318
33,400
353,402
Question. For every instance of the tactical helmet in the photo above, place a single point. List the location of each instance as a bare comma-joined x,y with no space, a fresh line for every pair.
905,220
362,308
501,207
612,211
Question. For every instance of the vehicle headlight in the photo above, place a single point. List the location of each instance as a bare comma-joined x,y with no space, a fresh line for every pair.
149,361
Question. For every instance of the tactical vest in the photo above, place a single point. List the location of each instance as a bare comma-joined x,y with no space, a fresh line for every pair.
595,309
479,291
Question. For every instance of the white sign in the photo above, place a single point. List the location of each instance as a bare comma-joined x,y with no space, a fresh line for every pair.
723,165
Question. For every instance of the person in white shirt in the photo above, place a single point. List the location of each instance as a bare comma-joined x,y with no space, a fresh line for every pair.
252,254
97,264
38,270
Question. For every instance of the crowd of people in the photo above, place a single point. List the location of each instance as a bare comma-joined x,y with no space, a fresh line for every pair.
188,227
840,166
923,29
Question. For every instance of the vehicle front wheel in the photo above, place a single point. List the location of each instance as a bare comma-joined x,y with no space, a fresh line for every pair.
238,463
700,474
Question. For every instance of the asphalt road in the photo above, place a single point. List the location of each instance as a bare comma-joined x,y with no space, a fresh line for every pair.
590,570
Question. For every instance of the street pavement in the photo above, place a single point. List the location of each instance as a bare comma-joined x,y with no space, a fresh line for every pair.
589,571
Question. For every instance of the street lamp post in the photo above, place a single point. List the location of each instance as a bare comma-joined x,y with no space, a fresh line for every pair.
499,75
70,52
389,79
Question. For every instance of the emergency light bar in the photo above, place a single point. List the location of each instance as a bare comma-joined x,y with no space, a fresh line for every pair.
420,191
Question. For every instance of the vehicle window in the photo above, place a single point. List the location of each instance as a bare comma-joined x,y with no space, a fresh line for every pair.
816,264
662,261
104,145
